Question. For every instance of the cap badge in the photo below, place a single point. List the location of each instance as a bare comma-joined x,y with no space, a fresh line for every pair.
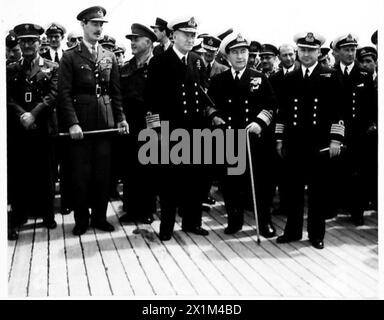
13,38
350,38
363,52
100,13
26,27
210,42
310,37
192,22
239,38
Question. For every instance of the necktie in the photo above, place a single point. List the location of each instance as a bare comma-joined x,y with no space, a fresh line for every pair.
183,60
209,68
94,53
306,74
346,74
56,57
237,76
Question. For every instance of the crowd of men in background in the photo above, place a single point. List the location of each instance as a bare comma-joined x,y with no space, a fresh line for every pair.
311,119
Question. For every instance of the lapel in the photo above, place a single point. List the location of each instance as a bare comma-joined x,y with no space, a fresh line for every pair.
84,52
36,67
100,53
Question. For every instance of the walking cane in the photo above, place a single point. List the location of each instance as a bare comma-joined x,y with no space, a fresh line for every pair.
92,132
253,187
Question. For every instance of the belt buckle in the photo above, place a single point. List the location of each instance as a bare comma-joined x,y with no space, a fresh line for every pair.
28,96
98,90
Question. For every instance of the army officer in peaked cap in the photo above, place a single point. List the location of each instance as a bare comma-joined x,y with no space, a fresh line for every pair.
174,92
160,28
90,99
139,198
268,54
309,131
244,99
31,95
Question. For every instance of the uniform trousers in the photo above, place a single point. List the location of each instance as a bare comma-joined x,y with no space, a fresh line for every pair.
89,167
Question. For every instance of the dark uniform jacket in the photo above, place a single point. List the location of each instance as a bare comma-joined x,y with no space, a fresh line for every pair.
251,100
360,102
311,112
35,93
217,68
159,49
47,55
89,91
133,82
174,90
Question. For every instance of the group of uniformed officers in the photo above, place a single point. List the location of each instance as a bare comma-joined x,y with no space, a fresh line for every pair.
312,125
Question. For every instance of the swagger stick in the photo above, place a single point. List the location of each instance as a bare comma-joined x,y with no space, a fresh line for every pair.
253,187
66,134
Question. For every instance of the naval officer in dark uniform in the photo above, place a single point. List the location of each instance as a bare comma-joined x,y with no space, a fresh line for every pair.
310,119
244,99
360,101
31,95
90,99
173,91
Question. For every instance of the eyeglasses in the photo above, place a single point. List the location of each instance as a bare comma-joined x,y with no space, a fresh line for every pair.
28,41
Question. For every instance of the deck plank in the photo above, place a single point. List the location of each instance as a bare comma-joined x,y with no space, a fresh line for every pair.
274,258
132,261
153,270
57,264
38,285
77,273
18,283
334,258
135,273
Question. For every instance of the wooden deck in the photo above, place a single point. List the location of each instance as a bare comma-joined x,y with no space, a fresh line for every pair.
132,261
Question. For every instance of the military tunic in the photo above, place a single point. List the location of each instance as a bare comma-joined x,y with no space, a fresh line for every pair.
89,95
30,152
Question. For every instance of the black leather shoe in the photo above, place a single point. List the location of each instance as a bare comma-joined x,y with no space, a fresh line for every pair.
318,244
285,239
209,200
103,226
268,231
165,237
147,219
12,235
50,224
127,218
65,211
358,221
78,230
196,230
232,229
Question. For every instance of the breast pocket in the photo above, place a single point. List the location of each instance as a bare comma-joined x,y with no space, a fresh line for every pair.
105,72
85,74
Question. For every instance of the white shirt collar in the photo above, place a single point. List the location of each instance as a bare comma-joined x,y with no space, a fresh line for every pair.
53,52
240,72
89,45
179,54
374,75
350,67
285,70
311,68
